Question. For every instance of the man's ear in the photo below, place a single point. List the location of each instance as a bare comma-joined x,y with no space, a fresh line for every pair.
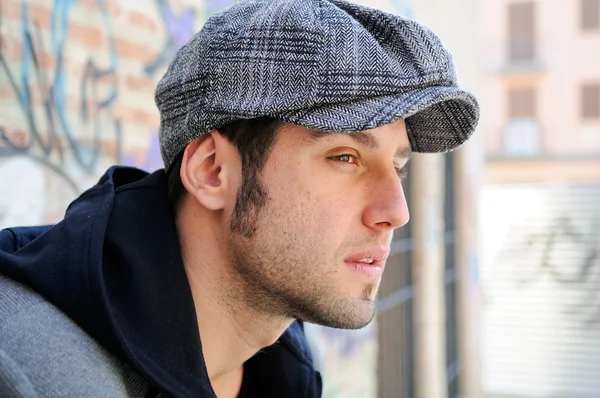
208,170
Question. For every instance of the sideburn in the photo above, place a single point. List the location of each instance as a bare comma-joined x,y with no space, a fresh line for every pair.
252,196
250,199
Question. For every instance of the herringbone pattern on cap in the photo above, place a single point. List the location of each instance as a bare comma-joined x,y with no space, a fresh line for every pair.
324,64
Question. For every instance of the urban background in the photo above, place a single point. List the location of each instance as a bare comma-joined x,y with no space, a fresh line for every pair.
493,287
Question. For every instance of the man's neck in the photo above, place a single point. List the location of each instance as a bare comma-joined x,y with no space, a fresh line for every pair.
231,332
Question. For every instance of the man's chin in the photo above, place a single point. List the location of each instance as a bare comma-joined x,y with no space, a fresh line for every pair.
350,325
353,316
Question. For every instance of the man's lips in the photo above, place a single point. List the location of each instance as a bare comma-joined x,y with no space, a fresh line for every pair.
369,262
375,255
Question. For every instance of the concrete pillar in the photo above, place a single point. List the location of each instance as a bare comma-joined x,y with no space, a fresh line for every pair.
427,187
457,23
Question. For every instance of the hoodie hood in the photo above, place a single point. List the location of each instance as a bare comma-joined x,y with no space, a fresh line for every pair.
113,265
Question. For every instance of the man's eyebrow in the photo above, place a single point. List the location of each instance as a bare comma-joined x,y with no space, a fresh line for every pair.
360,137
366,139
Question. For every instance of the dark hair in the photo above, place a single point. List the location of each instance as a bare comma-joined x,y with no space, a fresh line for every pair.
254,139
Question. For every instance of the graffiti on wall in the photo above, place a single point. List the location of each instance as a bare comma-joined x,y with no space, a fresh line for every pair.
566,251
178,28
50,134
540,276
62,95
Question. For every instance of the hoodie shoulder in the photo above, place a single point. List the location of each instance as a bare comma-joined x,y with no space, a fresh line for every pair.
12,239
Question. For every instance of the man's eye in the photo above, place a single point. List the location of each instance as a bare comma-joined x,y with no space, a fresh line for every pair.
345,158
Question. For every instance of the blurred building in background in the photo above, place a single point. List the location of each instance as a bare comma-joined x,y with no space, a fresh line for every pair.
542,89
540,202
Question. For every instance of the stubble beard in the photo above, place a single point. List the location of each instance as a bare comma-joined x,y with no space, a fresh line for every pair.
273,278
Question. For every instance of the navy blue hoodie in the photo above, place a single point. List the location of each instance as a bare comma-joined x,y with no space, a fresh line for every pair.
113,265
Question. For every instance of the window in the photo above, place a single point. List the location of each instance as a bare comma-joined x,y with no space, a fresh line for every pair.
521,102
590,14
590,101
522,135
521,32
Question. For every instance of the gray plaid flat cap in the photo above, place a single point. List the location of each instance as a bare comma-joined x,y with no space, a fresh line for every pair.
328,65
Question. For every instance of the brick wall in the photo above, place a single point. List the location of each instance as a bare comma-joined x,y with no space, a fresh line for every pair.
77,85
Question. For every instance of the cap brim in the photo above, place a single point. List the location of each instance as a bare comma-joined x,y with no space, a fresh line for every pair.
438,118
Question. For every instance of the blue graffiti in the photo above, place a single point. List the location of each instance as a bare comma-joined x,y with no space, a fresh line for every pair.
52,90
179,29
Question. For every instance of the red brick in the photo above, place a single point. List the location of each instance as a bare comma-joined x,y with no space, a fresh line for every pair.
11,48
18,137
139,19
107,80
136,116
45,59
113,8
10,9
139,83
133,51
40,15
109,148
16,52
103,83
7,93
89,3
35,94
89,36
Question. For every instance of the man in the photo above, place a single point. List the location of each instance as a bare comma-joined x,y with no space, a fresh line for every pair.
286,127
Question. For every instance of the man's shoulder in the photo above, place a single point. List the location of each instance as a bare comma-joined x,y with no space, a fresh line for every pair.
43,350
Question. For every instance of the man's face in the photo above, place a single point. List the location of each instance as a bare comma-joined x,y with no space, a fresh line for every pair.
321,240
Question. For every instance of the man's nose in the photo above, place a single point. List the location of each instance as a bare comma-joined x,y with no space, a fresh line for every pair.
387,208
